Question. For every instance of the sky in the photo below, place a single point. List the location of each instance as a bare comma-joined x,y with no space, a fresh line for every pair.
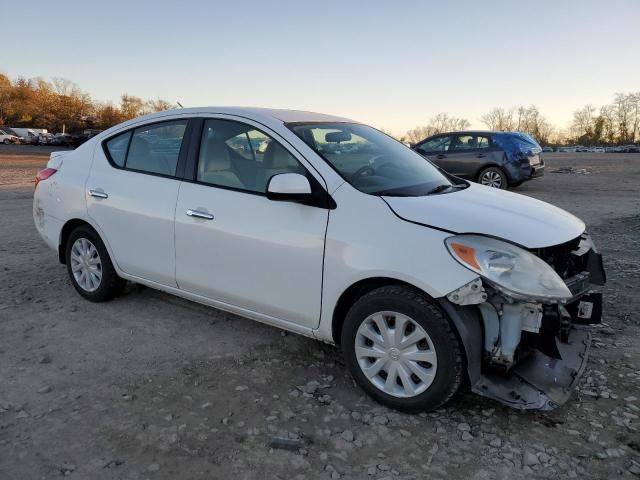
392,64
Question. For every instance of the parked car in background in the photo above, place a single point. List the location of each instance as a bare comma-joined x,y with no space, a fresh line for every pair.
340,233
8,138
597,149
547,149
495,159
27,134
630,148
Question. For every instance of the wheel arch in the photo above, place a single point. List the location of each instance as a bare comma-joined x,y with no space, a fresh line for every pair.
363,286
69,226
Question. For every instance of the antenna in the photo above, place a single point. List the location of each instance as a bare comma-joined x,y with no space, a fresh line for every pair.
179,104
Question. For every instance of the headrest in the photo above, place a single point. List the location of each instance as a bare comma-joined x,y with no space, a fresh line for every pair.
139,148
276,156
216,156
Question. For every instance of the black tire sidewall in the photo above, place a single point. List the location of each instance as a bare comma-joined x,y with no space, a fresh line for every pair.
498,170
110,282
430,317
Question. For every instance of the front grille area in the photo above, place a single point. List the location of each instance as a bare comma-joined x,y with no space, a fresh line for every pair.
562,260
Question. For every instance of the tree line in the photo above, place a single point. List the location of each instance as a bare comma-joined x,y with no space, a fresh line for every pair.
616,123
38,103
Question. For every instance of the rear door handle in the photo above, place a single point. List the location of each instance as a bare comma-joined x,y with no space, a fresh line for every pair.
98,194
199,214
441,156
480,155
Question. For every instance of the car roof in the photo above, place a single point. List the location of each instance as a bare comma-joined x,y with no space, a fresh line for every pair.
478,132
281,115
270,117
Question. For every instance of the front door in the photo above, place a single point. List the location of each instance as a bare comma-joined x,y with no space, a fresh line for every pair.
233,244
437,149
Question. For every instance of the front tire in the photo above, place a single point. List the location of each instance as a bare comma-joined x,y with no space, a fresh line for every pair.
90,268
401,349
493,177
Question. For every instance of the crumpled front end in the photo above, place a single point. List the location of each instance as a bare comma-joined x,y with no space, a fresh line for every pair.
531,353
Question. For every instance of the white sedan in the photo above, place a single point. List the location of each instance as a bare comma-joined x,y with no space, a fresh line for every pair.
7,138
329,228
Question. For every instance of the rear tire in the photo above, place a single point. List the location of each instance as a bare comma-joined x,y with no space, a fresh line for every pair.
90,268
401,349
493,177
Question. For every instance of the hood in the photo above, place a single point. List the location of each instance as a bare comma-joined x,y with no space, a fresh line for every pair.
489,211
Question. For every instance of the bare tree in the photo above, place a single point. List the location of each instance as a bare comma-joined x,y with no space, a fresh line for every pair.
159,105
499,119
583,121
442,122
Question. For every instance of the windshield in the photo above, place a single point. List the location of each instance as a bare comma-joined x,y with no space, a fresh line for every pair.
371,161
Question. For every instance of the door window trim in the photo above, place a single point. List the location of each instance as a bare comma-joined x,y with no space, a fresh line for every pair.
193,157
182,154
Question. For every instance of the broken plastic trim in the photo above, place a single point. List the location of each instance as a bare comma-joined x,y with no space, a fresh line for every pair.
539,382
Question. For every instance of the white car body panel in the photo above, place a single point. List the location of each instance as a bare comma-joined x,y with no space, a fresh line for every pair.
269,254
490,211
137,219
379,244
269,248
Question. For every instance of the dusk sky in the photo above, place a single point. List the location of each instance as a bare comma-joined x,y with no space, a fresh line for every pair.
393,64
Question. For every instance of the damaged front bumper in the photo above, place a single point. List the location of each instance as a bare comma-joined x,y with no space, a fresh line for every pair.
524,354
540,382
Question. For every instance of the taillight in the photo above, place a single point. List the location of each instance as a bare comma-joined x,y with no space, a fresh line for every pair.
44,174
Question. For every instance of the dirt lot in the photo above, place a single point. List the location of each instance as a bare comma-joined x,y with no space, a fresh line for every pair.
152,386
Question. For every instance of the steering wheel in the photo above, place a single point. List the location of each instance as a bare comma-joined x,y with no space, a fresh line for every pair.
367,170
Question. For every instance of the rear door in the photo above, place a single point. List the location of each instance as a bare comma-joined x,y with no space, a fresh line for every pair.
468,153
131,196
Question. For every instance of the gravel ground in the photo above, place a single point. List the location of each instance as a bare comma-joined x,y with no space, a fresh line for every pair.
152,386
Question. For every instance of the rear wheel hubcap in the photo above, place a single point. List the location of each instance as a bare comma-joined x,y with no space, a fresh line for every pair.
86,265
491,179
396,354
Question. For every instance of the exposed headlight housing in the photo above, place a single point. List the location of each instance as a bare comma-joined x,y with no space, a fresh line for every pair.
513,270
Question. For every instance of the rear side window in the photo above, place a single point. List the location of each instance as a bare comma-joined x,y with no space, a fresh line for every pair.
470,142
117,147
155,148
151,148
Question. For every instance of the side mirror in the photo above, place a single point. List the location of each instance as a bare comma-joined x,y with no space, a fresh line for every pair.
292,187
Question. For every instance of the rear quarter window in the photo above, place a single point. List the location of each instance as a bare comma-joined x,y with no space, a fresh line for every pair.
117,148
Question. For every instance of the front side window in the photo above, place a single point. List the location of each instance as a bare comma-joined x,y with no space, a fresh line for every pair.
438,144
371,161
238,156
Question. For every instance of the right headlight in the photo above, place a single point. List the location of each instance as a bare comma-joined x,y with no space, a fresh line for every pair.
511,269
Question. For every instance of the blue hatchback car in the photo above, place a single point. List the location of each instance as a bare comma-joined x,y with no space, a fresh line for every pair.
496,159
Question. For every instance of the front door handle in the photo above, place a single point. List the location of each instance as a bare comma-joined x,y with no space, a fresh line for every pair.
199,214
98,194
480,155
